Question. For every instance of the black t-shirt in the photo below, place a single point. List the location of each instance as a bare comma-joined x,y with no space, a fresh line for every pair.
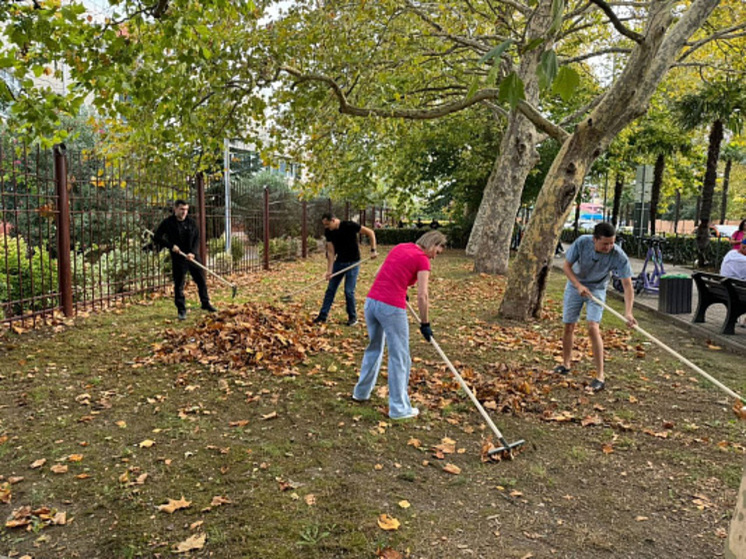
344,240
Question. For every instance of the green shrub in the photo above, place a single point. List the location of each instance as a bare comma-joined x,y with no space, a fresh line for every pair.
222,263
216,246
281,248
28,273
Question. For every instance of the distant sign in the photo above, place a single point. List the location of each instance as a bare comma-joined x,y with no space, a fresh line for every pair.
643,183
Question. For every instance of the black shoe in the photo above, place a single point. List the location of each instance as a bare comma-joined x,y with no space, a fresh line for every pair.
182,315
597,385
352,322
319,319
209,308
561,369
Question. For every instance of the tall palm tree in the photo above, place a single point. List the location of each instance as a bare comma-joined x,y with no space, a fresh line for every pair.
720,104
732,153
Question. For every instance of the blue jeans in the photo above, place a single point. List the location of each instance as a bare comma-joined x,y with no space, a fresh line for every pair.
389,325
350,277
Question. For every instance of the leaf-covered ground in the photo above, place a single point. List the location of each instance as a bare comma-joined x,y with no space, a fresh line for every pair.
130,434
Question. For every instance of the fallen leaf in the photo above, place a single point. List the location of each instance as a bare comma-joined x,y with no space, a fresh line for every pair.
75,458
38,464
219,500
641,518
174,505
452,469
404,504
388,523
272,415
196,541
414,442
59,469
147,443
5,495
389,553
310,499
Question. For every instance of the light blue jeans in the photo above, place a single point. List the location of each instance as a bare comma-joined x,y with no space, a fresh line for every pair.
386,325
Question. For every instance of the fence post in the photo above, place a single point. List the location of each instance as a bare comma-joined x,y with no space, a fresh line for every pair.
304,230
64,269
266,228
201,217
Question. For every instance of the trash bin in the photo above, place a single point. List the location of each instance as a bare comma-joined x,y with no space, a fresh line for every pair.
675,294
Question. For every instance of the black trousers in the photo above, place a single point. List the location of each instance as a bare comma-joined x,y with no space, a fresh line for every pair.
180,266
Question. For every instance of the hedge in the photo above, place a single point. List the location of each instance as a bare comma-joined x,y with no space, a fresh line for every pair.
457,235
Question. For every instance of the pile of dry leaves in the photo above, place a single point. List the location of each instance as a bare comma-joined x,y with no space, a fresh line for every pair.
244,337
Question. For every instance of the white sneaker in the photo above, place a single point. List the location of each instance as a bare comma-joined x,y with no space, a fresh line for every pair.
414,413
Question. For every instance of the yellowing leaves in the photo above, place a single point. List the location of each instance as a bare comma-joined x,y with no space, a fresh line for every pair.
388,523
173,505
147,443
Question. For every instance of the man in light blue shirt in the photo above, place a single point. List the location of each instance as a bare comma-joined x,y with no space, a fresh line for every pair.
588,262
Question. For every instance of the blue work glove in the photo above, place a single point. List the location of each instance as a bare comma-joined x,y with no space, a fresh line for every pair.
427,332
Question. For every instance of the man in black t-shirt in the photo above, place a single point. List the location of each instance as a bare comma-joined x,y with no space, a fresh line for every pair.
180,235
342,251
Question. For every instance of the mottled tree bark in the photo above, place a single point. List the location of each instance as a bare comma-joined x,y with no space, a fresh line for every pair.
625,101
735,545
618,188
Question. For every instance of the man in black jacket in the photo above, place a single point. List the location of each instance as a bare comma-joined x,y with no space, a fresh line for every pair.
180,234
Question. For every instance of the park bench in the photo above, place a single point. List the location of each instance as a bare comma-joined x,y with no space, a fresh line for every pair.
712,289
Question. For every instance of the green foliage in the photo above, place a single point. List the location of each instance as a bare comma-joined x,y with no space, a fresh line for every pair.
282,248
27,273
217,245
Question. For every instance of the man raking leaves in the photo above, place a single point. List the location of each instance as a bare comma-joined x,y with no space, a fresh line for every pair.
180,234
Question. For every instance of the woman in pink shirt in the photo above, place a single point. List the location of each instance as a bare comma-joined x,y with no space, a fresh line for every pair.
386,317
737,238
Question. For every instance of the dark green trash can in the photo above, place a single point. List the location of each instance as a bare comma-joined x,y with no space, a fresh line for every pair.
675,294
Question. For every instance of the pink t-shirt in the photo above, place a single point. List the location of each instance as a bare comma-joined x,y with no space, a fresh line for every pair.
737,236
397,273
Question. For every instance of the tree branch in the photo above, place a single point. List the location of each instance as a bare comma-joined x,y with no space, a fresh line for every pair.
605,8
543,124
411,114
594,54
733,32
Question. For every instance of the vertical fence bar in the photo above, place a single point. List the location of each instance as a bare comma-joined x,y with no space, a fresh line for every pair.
63,231
201,218
347,211
266,228
304,230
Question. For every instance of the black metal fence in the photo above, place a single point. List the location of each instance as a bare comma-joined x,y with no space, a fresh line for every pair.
73,227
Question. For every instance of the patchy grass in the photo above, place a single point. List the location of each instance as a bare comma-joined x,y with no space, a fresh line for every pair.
620,474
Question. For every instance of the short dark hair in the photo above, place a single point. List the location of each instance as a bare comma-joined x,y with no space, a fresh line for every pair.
328,216
180,202
604,229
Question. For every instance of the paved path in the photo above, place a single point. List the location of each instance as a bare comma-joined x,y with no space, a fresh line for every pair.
709,330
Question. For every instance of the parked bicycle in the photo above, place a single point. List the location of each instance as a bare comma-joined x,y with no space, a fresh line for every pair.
648,281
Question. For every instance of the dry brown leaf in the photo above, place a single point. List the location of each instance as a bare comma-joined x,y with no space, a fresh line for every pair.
174,505
389,553
452,469
147,443
271,415
404,504
75,458
219,500
310,499
5,495
59,469
38,463
197,541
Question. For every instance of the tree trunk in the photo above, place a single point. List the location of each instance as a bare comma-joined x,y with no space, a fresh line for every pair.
660,166
735,545
676,212
708,190
624,101
489,241
576,223
618,188
726,185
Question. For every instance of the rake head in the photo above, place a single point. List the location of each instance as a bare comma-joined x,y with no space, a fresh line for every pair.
286,298
506,450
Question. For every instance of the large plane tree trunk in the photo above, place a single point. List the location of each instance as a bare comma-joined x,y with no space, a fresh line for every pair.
626,100
489,241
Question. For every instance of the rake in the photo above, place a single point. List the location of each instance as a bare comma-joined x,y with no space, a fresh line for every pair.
506,450
233,286
677,355
289,296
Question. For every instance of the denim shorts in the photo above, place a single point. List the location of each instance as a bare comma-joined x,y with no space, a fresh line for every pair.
573,303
